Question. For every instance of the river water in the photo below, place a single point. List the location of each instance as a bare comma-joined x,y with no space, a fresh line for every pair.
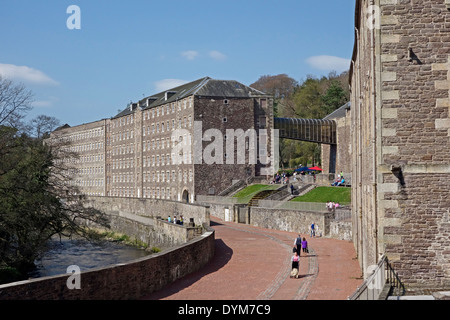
84,254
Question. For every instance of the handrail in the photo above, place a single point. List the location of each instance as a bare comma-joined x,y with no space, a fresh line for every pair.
383,277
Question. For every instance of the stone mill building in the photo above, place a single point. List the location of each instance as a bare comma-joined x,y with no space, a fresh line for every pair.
195,139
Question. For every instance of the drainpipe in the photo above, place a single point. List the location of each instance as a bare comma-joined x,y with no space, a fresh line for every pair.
374,132
359,154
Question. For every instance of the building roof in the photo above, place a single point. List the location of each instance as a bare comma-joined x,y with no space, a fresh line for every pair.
64,126
205,87
338,113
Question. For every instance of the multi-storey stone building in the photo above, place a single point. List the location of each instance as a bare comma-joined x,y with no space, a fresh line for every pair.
84,154
400,110
177,144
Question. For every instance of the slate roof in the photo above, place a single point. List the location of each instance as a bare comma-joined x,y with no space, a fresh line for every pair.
338,113
205,87
65,126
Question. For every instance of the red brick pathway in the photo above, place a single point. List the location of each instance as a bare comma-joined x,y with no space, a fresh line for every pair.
254,264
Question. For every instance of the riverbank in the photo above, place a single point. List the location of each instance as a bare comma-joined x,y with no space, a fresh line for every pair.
85,254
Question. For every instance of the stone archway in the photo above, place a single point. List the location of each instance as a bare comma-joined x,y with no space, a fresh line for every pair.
185,196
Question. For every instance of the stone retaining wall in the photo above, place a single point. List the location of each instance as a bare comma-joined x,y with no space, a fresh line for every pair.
290,220
150,208
341,230
153,231
283,219
131,280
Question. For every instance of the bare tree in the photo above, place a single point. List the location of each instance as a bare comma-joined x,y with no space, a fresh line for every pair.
42,125
15,102
38,196
280,86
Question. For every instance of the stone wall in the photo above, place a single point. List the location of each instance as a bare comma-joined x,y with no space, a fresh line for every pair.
290,220
220,115
131,280
400,82
341,230
146,219
282,219
153,231
337,158
151,208
227,120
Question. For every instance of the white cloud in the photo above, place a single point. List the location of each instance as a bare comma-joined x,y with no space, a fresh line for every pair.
216,55
48,103
190,54
25,74
166,84
329,63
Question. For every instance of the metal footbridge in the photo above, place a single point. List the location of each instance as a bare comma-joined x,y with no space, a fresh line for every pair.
311,130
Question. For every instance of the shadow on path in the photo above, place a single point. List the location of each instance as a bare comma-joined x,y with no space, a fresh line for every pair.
222,255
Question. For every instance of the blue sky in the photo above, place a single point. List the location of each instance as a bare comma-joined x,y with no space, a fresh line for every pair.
129,49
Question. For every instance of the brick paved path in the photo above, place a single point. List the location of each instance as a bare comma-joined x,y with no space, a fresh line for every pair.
254,264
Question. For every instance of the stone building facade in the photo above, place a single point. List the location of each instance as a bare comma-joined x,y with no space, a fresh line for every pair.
337,158
176,144
400,110
84,155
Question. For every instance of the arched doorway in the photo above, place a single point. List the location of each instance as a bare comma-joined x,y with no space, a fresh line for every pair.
185,196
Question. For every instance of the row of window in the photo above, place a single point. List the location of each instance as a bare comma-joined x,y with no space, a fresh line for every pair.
159,193
89,182
165,160
168,108
154,128
154,160
86,147
154,193
91,158
154,112
156,176
184,123
90,170
82,159
154,144
88,134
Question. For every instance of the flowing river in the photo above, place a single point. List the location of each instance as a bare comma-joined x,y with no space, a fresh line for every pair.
84,254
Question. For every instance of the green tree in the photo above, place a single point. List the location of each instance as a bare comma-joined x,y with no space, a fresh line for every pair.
334,98
280,87
37,202
314,98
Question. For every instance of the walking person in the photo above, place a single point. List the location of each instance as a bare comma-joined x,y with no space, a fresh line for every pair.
313,231
298,244
305,246
295,265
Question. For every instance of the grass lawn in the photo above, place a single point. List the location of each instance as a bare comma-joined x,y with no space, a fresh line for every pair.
341,195
250,191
